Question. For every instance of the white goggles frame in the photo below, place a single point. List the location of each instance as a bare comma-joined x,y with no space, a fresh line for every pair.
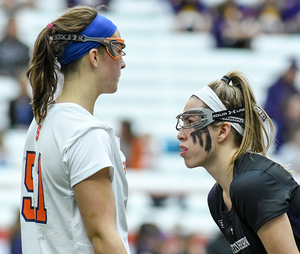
206,116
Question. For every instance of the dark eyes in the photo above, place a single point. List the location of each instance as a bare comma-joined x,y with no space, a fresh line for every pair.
189,120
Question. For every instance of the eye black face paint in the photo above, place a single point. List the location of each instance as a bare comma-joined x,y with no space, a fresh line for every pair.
198,134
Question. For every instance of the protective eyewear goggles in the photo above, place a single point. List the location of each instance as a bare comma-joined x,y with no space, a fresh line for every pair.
198,118
114,46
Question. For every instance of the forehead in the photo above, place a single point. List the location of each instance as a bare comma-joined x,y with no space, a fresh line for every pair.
193,102
116,34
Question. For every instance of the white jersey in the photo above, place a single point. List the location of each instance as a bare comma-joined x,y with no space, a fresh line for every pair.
70,146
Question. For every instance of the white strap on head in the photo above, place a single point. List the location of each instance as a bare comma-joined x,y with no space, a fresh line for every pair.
208,96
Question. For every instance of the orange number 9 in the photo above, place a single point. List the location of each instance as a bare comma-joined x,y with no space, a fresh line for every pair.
29,212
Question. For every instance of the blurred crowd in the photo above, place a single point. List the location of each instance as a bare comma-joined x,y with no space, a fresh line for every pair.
150,239
234,26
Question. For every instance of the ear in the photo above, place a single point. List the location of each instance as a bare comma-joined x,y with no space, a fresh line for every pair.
94,57
224,131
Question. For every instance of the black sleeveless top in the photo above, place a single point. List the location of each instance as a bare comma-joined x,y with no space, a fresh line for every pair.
260,191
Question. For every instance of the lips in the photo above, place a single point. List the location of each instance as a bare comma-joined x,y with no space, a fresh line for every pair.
183,150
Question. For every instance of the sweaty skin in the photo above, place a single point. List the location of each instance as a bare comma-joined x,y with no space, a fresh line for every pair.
199,133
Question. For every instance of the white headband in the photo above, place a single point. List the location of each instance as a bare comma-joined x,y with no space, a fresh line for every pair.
208,96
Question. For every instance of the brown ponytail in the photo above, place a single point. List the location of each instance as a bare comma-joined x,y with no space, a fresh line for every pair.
258,132
43,67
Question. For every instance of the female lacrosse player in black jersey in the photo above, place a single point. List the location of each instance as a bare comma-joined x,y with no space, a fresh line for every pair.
255,202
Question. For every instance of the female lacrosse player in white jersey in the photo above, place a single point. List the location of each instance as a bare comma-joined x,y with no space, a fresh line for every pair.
74,189
255,202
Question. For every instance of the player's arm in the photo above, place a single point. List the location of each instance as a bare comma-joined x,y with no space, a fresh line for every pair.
277,236
96,203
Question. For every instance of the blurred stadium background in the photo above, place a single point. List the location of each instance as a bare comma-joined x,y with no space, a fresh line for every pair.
163,69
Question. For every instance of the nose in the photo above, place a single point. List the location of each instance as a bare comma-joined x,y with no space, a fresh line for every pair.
123,65
181,136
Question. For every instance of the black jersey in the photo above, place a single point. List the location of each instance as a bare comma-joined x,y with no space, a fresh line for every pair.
260,191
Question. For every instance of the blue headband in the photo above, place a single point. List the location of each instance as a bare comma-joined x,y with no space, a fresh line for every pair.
100,27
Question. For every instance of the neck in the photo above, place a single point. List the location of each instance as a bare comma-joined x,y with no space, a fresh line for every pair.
222,169
78,90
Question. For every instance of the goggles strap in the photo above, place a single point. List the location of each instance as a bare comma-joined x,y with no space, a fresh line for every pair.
208,96
261,113
99,27
229,115
68,37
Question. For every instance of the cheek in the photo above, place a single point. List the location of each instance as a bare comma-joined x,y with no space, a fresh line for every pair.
202,138
112,72
115,70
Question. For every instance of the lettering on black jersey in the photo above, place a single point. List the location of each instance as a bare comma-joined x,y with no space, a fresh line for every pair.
221,224
240,245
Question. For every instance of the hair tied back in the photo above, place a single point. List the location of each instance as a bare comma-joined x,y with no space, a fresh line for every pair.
226,79
50,26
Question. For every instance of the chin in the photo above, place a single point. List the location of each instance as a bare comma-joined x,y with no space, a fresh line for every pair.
190,165
112,89
115,90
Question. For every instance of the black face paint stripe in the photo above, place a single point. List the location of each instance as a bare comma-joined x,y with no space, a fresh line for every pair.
198,134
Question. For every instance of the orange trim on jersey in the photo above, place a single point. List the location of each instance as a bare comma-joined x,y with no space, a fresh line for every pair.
124,166
38,132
